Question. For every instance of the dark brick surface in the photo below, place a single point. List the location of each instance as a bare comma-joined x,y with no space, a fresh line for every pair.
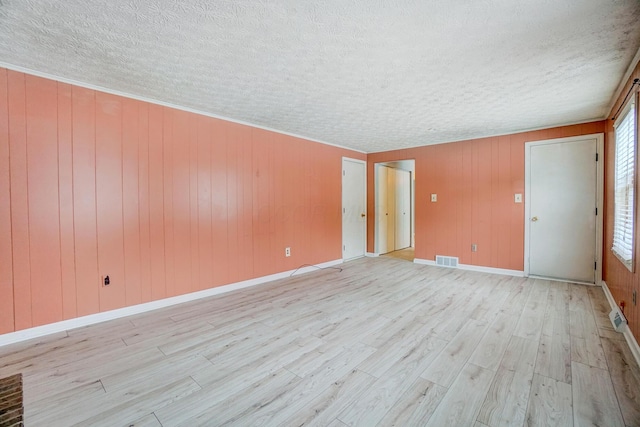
11,409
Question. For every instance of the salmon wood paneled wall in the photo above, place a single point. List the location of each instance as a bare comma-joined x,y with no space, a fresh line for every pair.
475,181
164,201
619,279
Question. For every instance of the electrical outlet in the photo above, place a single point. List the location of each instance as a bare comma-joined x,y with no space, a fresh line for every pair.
434,197
517,198
287,251
474,247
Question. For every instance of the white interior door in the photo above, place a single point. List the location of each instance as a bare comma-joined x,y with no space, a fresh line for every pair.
381,209
403,209
562,201
354,202
391,209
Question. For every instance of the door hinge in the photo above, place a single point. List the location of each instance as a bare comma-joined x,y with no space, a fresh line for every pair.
343,173
596,157
344,248
595,265
596,211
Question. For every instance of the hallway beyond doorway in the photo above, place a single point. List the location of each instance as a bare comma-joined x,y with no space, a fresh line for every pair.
406,254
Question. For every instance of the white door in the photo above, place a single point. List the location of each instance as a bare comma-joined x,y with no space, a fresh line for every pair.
403,209
562,201
391,209
354,202
382,214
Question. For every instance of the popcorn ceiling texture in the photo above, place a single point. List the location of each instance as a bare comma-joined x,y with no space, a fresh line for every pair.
370,75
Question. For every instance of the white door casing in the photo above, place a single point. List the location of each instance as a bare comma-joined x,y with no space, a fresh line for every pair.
381,173
403,209
563,189
391,209
354,208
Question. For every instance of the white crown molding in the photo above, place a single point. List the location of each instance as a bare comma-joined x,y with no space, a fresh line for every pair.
65,325
162,103
623,82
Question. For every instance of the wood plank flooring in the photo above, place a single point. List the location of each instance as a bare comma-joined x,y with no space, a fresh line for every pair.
381,343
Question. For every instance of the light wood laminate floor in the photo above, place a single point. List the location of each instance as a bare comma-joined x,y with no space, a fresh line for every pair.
384,342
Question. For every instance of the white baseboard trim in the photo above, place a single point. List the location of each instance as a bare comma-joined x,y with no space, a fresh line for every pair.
65,325
372,254
631,340
424,261
479,268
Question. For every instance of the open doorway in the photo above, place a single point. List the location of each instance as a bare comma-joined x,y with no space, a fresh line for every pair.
394,202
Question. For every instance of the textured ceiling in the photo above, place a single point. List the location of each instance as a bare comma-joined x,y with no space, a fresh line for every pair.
370,75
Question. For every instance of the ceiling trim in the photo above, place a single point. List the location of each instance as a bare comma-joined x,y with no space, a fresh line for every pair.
164,104
623,82
495,135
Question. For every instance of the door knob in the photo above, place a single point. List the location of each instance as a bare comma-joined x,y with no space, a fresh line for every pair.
534,219
362,215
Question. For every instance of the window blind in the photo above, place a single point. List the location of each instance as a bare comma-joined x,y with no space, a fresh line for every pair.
625,133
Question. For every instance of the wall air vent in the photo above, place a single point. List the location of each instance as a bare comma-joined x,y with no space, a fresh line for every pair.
447,261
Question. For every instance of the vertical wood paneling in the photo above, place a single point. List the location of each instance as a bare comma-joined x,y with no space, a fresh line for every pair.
245,202
193,204
169,250
65,184
204,203
6,254
505,202
275,239
84,201
465,235
516,243
219,226
496,201
130,201
232,203
163,201
484,203
277,200
143,203
260,202
109,199
156,204
330,178
475,200
294,196
181,203
44,209
19,200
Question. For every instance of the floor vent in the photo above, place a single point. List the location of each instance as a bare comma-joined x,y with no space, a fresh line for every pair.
447,261
11,409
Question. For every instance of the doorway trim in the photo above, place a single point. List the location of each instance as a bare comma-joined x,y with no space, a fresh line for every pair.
376,232
342,207
599,137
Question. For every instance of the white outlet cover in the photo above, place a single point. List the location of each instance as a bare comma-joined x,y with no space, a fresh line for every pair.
518,198
434,197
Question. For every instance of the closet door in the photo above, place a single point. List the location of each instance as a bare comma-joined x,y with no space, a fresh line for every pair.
391,209
402,209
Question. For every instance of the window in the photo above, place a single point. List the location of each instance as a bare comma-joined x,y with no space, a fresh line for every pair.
624,202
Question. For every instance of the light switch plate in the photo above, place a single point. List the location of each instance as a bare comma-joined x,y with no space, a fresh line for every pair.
434,197
518,198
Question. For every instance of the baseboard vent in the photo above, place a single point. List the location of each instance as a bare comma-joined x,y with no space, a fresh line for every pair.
11,409
447,261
